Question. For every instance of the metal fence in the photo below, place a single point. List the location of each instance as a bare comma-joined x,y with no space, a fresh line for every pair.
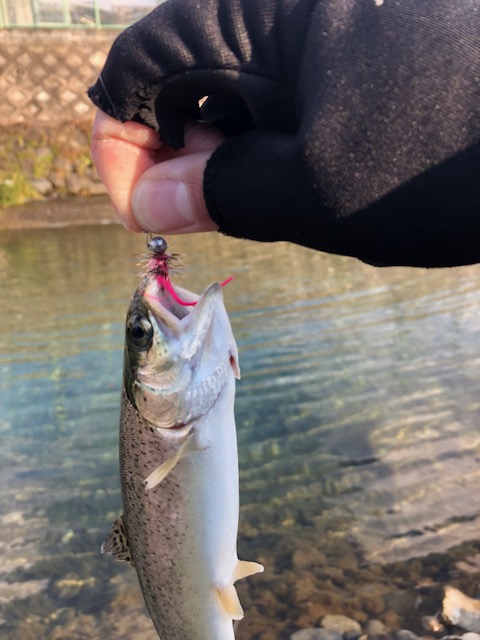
86,14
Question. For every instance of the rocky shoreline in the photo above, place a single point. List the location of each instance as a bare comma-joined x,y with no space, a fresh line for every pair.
58,212
39,163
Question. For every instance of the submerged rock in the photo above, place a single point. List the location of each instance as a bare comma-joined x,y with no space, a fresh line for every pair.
460,610
341,624
406,634
432,624
376,629
10,591
316,634
470,635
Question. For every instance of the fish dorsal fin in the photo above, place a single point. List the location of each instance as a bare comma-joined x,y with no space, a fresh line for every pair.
228,598
116,543
245,569
161,472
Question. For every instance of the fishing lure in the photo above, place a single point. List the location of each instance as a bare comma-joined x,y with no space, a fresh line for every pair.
159,265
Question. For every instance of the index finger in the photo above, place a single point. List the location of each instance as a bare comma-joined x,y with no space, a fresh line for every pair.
122,152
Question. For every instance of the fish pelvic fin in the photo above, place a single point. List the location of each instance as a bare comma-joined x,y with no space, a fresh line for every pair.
229,601
161,472
116,543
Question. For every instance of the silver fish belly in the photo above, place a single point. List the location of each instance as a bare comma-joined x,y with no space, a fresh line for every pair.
179,466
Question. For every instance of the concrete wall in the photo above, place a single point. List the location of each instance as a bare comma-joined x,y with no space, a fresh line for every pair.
45,114
45,73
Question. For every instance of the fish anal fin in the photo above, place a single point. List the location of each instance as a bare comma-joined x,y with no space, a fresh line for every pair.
116,543
161,472
245,569
228,598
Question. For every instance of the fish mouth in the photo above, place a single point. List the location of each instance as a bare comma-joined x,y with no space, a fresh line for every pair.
182,314
190,359
171,307
187,312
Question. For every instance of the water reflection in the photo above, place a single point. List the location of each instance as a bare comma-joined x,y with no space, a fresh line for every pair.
357,418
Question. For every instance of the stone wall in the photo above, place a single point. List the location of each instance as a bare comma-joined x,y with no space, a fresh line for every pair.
45,114
45,73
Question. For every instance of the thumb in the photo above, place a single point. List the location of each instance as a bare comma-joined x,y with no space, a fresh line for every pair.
168,197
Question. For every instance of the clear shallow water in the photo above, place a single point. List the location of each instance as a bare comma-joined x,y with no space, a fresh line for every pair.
357,423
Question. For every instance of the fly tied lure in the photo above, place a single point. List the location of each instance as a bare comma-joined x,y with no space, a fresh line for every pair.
159,265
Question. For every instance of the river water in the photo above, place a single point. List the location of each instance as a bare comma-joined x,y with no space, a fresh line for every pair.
357,419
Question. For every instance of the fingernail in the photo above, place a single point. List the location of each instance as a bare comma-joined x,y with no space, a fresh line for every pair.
162,206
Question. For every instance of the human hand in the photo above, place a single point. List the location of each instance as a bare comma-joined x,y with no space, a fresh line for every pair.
152,187
351,128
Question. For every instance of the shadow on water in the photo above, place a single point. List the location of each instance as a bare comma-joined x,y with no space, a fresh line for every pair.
357,427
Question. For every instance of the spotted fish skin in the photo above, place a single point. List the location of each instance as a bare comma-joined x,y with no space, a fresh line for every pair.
181,527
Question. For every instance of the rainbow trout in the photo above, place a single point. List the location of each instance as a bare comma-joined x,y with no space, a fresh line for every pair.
178,458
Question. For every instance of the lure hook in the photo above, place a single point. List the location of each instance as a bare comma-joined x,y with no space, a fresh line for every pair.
158,265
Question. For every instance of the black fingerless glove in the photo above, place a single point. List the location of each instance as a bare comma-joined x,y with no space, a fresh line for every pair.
354,125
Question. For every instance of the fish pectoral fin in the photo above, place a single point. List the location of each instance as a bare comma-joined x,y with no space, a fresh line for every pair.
245,569
161,472
228,598
116,543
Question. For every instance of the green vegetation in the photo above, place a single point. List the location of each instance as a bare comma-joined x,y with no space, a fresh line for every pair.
35,162
16,190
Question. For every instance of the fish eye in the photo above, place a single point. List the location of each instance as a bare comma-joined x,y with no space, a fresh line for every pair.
140,331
